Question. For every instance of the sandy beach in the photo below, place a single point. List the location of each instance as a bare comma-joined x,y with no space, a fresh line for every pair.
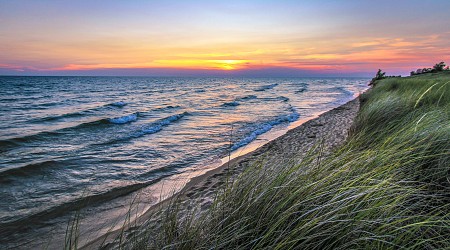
323,133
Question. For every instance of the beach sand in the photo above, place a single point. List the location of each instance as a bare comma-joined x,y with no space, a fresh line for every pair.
327,131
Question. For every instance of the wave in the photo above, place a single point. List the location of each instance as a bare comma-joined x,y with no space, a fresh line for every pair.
67,115
263,128
47,104
345,91
282,98
78,113
248,97
166,107
92,110
266,87
118,104
300,90
58,117
278,98
19,141
7,144
84,201
27,170
124,119
231,104
158,126
152,128
11,143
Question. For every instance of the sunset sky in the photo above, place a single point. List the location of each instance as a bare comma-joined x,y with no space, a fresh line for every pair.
195,38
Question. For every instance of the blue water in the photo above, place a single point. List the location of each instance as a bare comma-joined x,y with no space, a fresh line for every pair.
67,139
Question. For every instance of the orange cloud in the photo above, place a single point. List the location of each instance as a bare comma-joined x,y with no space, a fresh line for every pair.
332,54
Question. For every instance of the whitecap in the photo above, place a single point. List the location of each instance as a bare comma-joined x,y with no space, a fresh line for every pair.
123,119
158,126
263,128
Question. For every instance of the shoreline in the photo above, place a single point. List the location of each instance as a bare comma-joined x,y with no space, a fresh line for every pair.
200,188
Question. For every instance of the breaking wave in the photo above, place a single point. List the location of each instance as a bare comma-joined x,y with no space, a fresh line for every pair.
151,128
124,119
158,126
265,127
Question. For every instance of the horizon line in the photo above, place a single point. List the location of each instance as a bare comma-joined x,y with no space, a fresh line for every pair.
192,76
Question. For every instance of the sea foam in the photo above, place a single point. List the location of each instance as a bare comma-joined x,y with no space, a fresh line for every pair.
124,119
158,126
265,127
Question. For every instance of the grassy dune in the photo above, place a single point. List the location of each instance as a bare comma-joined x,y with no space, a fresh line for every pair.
387,187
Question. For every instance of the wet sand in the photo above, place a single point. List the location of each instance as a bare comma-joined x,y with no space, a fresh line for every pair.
328,130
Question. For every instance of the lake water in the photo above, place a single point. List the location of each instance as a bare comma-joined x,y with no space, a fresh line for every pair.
69,142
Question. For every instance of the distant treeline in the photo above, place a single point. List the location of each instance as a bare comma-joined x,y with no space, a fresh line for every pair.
438,67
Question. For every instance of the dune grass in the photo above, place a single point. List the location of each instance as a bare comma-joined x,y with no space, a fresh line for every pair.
387,187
